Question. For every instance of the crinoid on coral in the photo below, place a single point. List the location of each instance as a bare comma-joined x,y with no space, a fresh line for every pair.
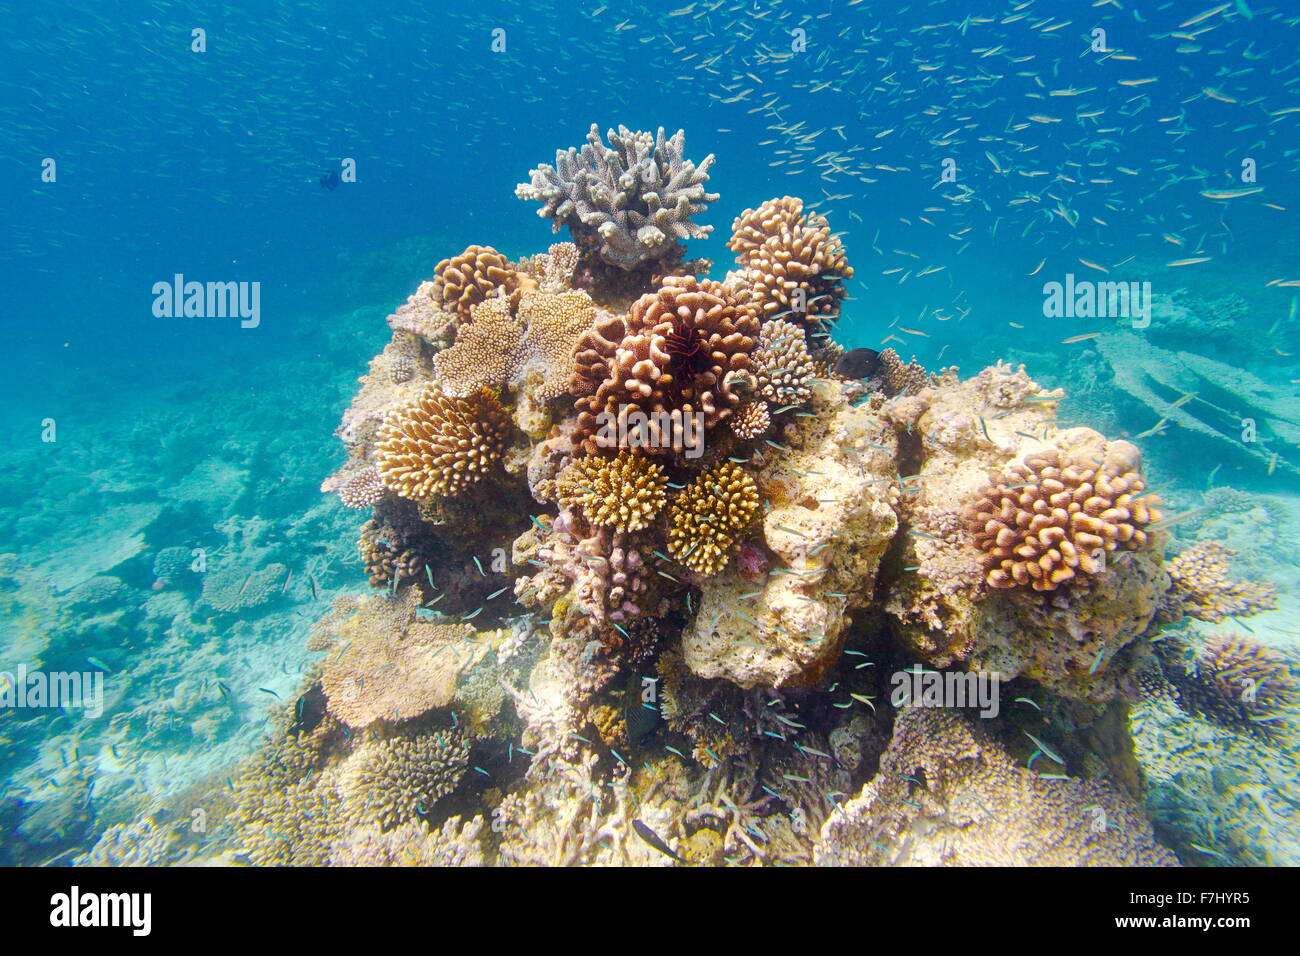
625,493
398,779
1202,589
782,367
486,353
790,263
707,514
1235,682
635,197
465,280
677,355
1055,516
438,445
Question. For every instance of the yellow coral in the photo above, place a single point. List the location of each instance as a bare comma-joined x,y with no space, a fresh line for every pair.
705,518
1203,589
1054,516
486,353
439,445
625,493
556,321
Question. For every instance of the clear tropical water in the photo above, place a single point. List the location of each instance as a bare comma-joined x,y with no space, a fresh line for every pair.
966,156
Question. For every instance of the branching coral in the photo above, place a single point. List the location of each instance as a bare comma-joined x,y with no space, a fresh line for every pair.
363,488
790,262
750,421
625,493
1203,590
438,445
782,366
708,514
900,378
636,195
394,780
463,281
1054,516
1237,683
679,352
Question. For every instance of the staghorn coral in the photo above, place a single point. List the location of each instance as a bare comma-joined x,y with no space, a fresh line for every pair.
635,196
790,262
625,493
395,780
463,281
677,353
1202,589
750,421
438,445
1057,515
708,514
363,489
782,366
947,794
486,353
1236,682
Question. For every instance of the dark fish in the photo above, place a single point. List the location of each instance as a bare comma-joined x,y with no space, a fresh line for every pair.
858,363
309,710
654,840
329,181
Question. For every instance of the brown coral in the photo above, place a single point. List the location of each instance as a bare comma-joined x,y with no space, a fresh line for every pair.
1054,516
677,354
438,445
463,281
791,262
900,378
708,514
625,493
782,366
1203,590
399,779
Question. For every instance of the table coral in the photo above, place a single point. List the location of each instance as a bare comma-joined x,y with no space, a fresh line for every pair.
439,445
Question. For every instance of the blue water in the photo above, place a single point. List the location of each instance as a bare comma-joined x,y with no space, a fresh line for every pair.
207,164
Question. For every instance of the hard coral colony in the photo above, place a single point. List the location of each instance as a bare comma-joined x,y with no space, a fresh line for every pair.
641,651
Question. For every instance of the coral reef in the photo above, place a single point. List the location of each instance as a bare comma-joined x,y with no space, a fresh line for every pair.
397,779
625,493
782,367
634,199
708,514
1235,682
463,281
